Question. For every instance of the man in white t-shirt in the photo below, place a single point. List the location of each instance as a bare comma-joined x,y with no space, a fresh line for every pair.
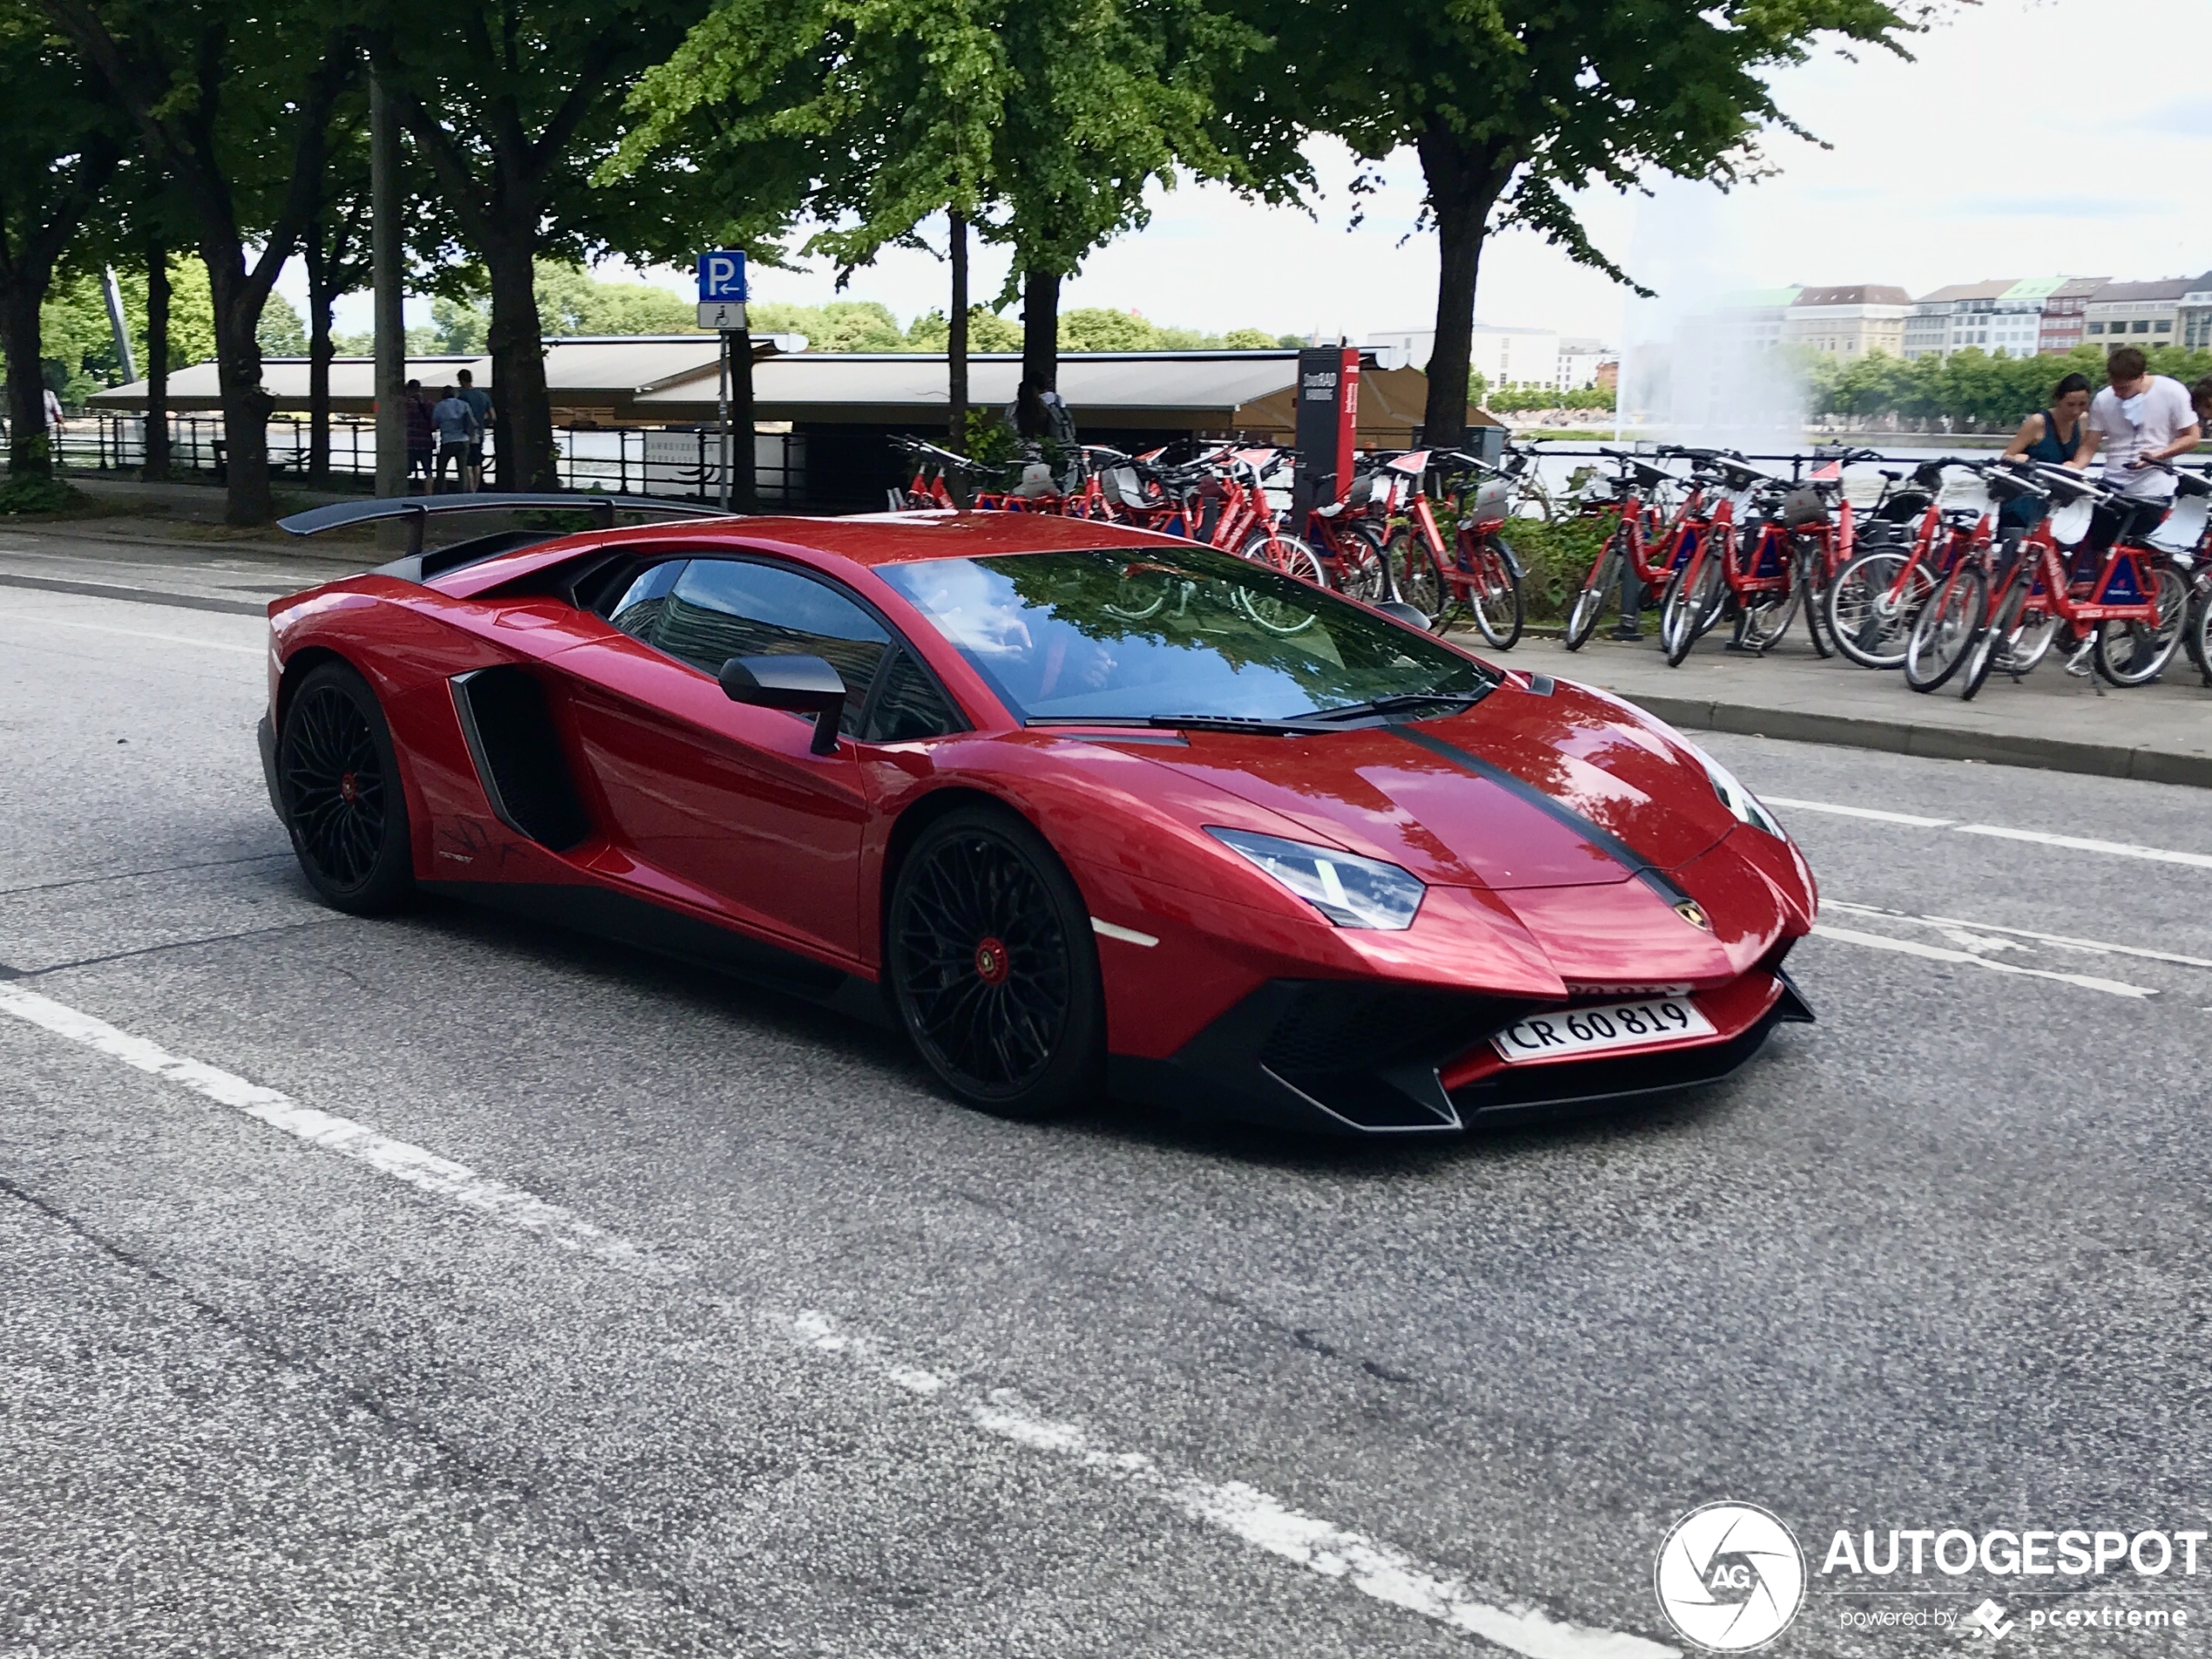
2140,417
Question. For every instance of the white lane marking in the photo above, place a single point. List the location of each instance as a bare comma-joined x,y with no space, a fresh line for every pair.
2096,946
2086,844
140,633
427,1171
1127,935
1909,818
2075,843
1938,954
1371,1566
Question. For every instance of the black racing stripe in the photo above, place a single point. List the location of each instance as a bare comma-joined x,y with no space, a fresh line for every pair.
1604,840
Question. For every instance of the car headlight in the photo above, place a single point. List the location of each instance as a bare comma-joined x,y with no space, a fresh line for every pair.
1738,799
1349,891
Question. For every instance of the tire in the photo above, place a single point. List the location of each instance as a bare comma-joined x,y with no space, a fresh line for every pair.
1693,597
344,805
1813,578
1761,624
1945,633
1499,610
2135,653
1589,604
2199,634
1414,575
991,961
1860,620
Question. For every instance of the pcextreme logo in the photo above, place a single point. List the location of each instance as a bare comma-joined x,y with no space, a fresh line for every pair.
1730,1577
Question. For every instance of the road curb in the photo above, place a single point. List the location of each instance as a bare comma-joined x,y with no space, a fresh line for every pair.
1931,742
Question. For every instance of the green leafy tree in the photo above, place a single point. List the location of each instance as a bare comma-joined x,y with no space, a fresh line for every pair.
515,105
235,111
281,333
571,300
1041,123
60,146
1513,106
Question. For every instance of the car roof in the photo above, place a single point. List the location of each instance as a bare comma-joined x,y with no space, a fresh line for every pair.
898,538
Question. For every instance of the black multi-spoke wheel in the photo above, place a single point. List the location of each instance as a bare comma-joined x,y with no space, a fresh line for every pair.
990,958
343,803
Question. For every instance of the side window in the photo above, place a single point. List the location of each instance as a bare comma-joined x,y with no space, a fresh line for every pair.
908,705
718,609
642,601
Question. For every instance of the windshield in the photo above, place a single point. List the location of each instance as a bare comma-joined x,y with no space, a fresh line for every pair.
1145,633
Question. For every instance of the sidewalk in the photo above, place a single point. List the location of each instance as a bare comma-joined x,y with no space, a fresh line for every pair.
2162,733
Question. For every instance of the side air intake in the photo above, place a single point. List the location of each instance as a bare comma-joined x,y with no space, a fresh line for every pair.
518,756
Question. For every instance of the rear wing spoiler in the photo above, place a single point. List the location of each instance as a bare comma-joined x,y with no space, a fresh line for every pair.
417,511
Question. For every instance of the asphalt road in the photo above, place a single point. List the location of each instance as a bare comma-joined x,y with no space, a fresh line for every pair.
733,1337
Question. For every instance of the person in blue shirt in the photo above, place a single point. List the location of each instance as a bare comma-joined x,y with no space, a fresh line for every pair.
479,402
457,434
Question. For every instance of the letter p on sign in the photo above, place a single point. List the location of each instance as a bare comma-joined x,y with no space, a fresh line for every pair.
722,277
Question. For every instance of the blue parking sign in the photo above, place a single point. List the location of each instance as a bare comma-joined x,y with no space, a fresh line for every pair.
722,277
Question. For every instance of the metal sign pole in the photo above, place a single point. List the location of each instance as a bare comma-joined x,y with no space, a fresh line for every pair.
722,470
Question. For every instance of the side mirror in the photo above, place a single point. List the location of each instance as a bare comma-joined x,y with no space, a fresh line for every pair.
1398,610
804,684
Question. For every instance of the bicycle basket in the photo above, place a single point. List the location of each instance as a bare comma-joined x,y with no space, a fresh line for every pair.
1802,507
2070,523
1493,499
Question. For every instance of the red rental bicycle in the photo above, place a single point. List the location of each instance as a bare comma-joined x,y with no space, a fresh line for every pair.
1480,572
1641,523
1727,567
2132,610
1347,535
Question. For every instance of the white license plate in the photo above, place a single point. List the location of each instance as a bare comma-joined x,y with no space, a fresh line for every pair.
1613,1025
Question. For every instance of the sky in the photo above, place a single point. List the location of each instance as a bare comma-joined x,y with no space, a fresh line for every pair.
2014,145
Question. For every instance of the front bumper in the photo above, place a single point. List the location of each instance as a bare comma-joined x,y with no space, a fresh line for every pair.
265,732
1360,1059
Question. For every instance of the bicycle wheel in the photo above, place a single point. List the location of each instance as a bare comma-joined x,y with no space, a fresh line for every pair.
1361,571
1943,633
2003,639
2135,653
1765,617
1869,623
1813,578
1493,596
2197,635
1285,553
1414,574
1603,579
1693,601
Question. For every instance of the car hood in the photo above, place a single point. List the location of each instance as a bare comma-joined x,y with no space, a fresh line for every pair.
1524,790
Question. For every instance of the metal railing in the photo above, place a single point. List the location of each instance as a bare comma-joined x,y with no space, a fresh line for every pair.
678,462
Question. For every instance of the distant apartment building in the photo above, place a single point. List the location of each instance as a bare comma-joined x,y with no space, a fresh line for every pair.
1587,364
1849,321
2139,313
1502,356
2021,318
1752,317
2063,315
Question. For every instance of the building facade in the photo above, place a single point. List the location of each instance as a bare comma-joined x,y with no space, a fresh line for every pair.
2063,317
1952,318
1851,321
2138,314
1502,356
1587,364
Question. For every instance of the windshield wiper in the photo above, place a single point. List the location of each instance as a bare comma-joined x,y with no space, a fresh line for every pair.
1399,703
1186,722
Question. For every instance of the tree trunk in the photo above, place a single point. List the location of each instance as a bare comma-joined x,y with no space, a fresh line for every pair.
157,462
1463,189
319,355
522,408
956,351
245,405
1040,350
29,446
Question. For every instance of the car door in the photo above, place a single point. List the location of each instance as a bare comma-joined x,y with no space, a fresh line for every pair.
712,803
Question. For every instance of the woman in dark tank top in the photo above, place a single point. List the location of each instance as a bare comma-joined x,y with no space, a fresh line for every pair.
2053,435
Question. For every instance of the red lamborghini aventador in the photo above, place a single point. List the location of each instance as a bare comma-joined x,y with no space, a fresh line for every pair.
1078,806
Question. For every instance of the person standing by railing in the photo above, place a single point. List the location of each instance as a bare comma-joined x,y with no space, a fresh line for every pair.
479,402
421,437
2139,417
2053,437
457,434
